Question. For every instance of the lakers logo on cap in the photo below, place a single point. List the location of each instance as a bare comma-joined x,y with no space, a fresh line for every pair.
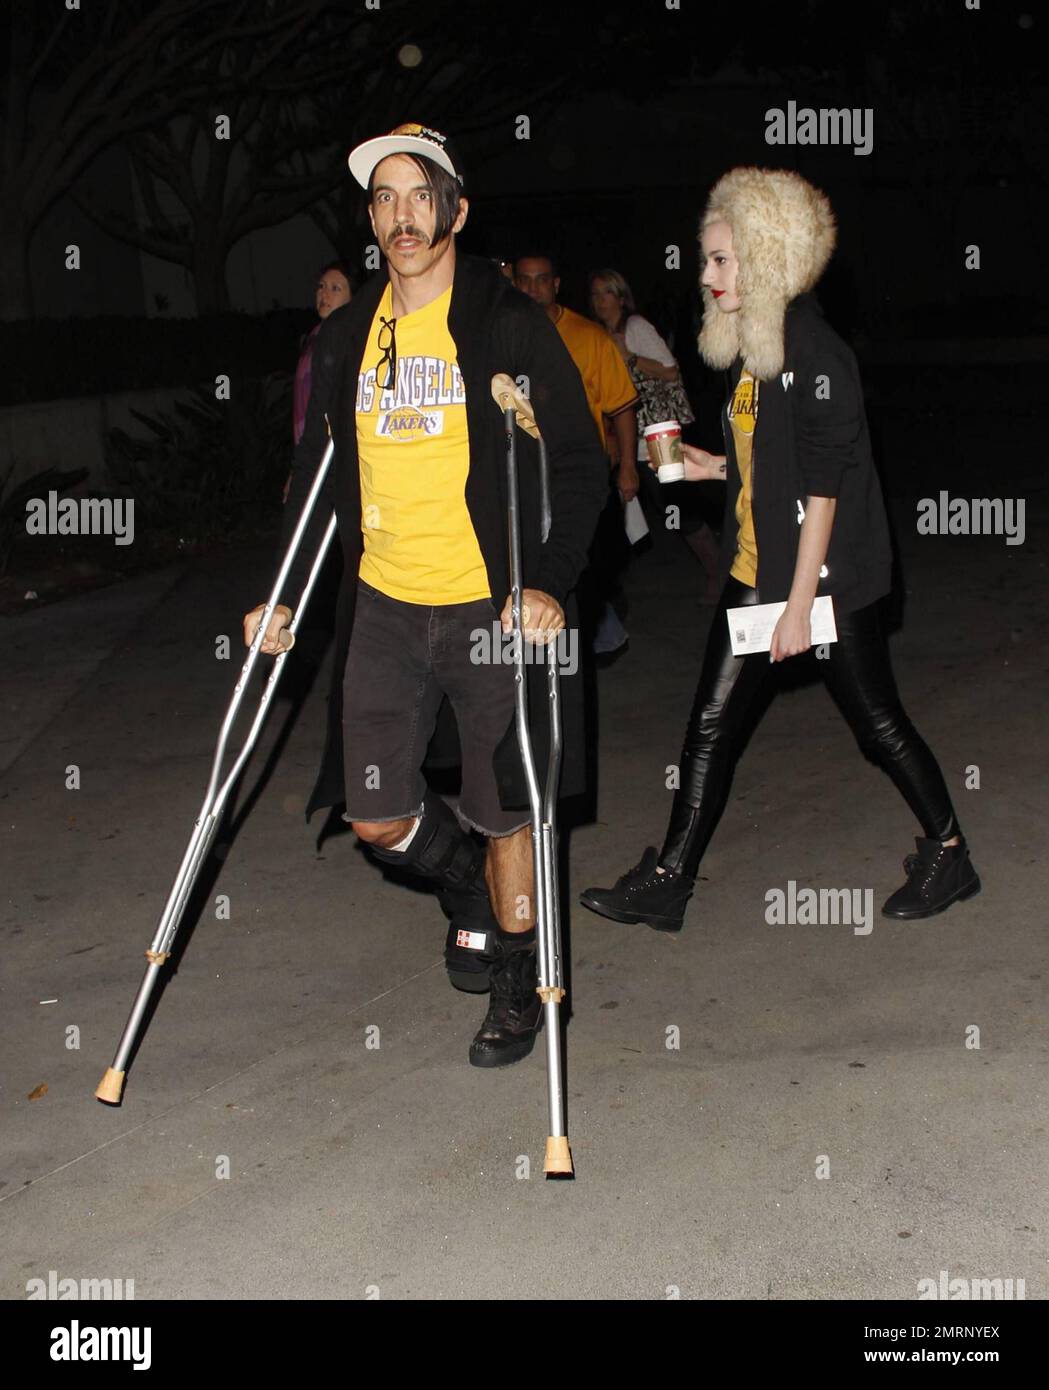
424,132
411,138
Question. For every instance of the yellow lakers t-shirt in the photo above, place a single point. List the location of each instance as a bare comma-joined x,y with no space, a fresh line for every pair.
414,450
743,417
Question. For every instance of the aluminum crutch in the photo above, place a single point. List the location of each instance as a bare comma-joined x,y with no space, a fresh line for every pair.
517,409
111,1087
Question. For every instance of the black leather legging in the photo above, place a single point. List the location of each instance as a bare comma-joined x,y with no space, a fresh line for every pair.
858,675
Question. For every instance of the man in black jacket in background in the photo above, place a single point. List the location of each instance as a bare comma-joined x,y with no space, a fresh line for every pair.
403,377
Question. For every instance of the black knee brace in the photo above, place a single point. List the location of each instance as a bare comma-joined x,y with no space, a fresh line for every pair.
440,849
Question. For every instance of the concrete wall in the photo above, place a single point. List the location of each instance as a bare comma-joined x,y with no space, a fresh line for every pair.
71,433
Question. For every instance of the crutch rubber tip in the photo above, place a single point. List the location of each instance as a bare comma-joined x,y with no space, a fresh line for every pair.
111,1087
558,1163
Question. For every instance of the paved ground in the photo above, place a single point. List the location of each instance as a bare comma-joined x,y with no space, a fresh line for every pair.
399,1168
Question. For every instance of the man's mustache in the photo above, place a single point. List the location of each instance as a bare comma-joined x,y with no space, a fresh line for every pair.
407,231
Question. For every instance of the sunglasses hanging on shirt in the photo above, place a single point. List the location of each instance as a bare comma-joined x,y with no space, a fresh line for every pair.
389,354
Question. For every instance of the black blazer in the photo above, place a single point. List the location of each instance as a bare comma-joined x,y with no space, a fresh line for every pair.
495,329
811,439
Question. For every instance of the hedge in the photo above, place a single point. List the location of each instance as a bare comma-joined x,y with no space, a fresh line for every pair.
49,359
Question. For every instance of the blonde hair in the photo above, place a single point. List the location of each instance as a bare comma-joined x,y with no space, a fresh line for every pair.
620,288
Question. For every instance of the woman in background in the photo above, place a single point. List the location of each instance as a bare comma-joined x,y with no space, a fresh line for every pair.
334,288
657,377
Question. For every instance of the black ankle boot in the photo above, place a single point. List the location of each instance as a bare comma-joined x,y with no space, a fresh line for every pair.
937,876
514,1012
643,895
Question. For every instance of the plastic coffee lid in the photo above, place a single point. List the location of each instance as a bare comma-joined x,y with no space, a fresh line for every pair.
664,427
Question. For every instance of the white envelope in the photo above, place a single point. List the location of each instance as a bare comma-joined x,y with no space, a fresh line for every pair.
750,629
634,521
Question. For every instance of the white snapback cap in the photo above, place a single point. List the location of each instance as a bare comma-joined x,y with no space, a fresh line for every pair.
409,138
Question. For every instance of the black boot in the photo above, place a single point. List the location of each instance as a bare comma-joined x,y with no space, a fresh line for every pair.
937,876
450,858
515,1010
643,895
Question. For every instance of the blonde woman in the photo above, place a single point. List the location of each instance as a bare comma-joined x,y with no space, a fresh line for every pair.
804,517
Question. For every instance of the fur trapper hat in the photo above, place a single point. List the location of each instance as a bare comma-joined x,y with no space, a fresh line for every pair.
783,233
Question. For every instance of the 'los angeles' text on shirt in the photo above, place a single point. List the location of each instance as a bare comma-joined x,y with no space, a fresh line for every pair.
421,382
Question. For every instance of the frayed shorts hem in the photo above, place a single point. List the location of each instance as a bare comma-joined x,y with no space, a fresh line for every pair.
349,817
489,834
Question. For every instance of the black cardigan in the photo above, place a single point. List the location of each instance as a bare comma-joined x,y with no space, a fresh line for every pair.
811,439
495,329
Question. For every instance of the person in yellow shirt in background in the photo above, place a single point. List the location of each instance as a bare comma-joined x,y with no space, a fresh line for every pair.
611,395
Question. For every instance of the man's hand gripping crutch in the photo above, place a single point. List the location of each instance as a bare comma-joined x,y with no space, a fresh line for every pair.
536,616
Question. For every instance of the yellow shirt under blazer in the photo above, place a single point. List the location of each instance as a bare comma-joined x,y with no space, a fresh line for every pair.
414,447
743,417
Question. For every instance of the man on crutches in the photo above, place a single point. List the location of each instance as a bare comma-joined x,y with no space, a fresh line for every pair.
403,379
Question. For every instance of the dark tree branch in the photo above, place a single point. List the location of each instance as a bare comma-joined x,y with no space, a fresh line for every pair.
45,53
161,244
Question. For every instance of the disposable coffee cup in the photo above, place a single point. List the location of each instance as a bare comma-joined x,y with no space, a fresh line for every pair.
663,442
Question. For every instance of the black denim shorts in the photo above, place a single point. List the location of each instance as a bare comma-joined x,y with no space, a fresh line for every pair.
403,658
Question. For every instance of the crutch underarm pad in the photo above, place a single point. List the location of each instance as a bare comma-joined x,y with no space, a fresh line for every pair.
507,393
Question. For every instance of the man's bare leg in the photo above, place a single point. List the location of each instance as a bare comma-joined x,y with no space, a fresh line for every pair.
510,876
508,871
383,833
